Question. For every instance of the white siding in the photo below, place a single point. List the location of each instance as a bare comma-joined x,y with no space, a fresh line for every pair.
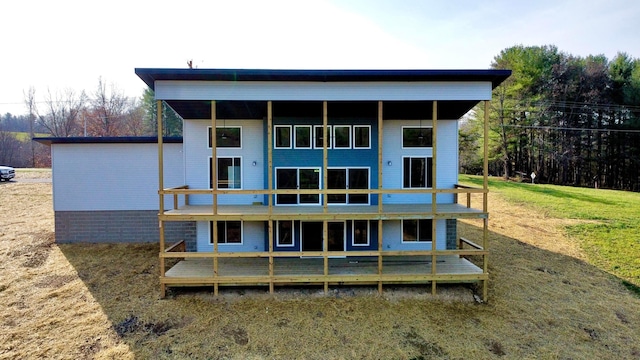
392,237
253,235
112,176
197,154
330,91
447,159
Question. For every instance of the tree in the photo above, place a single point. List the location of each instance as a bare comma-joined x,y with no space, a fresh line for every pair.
172,123
60,113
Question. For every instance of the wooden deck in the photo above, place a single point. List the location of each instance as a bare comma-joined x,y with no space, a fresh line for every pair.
341,271
261,212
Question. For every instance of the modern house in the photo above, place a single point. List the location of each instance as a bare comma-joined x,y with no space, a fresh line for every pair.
320,177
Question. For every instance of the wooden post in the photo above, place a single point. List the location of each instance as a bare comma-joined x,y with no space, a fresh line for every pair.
485,201
380,194
270,156
214,188
271,285
163,287
325,255
325,158
434,197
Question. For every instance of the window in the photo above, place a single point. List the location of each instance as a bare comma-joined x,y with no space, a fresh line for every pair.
348,178
317,132
416,137
416,230
362,136
282,136
341,136
416,172
227,137
297,178
229,232
229,173
360,233
302,137
284,233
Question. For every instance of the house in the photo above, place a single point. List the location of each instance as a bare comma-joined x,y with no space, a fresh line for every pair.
321,177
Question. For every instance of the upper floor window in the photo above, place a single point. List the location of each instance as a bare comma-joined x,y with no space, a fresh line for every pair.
302,135
417,137
227,137
229,173
319,138
362,136
282,136
416,172
341,136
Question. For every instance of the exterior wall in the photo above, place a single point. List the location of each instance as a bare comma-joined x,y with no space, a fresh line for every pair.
253,238
447,160
452,234
320,91
112,176
392,237
120,226
197,155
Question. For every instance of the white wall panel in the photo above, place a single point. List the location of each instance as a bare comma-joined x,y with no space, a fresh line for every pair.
392,237
252,238
112,176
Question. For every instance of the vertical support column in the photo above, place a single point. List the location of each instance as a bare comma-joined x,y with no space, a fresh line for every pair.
434,196
380,194
270,191
214,194
325,255
163,287
325,199
485,201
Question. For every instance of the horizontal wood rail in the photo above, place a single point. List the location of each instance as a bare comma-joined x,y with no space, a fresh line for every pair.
318,254
470,243
179,247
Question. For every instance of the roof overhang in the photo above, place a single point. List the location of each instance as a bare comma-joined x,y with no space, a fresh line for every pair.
106,140
242,93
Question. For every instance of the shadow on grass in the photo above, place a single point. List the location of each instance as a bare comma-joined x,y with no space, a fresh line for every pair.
536,298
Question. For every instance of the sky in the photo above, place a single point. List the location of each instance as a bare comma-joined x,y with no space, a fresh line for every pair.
65,44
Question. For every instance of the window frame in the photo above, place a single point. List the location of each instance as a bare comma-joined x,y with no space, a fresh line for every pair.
347,170
295,136
210,133
335,143
315,138
429,128
218,171
275,136
353,233
428,172
277,235
355,145
417,240
225,242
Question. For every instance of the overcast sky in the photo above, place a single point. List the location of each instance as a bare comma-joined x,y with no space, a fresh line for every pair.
70,44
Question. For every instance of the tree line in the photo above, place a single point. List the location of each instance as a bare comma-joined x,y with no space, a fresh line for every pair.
103,112
571,120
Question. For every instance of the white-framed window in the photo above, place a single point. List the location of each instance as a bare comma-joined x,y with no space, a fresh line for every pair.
360,235
229,172
282,136
416,172
348,178
302,136
304,178
362,136
416,230
284,233
227,136
417,137
341,136
318,142
229,232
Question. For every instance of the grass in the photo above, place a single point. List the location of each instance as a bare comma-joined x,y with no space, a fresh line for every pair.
25,136
101,301
610,234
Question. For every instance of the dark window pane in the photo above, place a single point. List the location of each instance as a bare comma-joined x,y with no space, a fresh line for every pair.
234,232
418,174
336,236
361,136
303,136
227,137
287,179
417,137
229,176
358,179
285,232
424,230
360,232
283,136
319,142
409,230
337,179
309,179
342,136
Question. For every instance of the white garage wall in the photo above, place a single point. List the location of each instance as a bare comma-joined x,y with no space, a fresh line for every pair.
112,176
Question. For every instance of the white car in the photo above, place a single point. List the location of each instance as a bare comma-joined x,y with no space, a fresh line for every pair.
7,173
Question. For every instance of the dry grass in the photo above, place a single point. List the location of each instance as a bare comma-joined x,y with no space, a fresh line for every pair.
102,301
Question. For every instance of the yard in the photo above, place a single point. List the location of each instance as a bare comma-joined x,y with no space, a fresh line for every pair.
552,294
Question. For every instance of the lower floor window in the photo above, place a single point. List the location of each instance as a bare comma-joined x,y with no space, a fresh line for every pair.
416,230
229,232
284,233
360,232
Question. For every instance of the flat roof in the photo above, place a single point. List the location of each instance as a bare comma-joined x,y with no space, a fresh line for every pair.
150,75
107,140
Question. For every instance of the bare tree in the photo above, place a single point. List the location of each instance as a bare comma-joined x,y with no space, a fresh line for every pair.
60,113
108,111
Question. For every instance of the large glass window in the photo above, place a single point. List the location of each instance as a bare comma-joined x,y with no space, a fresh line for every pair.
416,137
227,137
416,230
416,172
229,173
341,136
295,178
348,178
229,232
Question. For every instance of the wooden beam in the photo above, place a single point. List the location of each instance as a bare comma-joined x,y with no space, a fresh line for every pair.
214,160
270,155
485,202
271,289
161,195
434,186
380,189
325,158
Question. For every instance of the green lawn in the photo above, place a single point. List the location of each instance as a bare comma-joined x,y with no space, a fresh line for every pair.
24,136
611,239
